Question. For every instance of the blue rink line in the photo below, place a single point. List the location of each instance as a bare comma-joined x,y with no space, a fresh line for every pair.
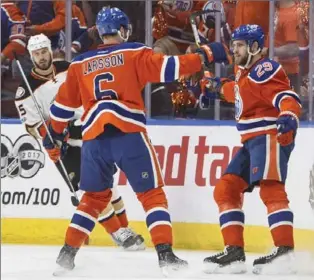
178,122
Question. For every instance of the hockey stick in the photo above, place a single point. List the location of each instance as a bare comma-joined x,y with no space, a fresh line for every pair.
74,198
193,17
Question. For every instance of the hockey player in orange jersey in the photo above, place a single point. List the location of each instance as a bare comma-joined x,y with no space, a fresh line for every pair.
108,83
267,112
45,79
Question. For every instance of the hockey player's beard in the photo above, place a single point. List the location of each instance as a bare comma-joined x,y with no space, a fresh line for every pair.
43,64
241,61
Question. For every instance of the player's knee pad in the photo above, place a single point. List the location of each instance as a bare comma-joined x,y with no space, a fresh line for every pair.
95,201
229,190
273,194
153,198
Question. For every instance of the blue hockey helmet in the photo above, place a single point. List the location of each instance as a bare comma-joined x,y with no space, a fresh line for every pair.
110,20
250,33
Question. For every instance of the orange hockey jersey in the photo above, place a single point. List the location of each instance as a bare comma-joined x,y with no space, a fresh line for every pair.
108,83
260,94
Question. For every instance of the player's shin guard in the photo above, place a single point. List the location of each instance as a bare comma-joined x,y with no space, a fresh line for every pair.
159,225
157,216
280,217
228,196
82,224
85,217
280,220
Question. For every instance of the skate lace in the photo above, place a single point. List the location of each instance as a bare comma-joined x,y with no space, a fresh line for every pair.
224,252
131,232
272,254
123,234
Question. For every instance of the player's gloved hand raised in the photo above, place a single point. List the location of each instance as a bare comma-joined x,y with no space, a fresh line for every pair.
287,125
214,53
210,87
58,147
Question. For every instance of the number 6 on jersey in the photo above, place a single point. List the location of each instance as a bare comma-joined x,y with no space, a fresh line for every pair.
101,81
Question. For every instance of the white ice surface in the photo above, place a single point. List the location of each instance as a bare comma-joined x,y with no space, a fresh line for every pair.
95,263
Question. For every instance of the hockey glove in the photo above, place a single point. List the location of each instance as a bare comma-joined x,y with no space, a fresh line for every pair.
57,148
287,125
214,53
210,87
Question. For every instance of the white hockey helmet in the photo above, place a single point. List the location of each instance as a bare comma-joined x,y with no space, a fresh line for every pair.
38,42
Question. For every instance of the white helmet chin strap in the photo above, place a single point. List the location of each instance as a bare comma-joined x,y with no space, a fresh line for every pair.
124,39
249,59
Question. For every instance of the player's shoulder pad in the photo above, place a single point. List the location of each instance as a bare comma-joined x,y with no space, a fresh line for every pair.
264,71
111,49
61,65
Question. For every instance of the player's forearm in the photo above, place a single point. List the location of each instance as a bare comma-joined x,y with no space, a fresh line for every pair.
290,105
52,27
287,51
190,64
14,46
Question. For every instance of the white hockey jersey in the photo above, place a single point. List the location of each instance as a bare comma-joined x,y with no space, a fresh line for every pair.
45,92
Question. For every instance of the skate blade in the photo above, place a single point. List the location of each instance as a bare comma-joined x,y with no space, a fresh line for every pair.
136,247
173,270
283,265
61,271
233,268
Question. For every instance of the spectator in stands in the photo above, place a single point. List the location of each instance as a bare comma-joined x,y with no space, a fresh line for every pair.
171,26
286,40
230,11
79,26
253,12
12,31
303,9
12,40
47,17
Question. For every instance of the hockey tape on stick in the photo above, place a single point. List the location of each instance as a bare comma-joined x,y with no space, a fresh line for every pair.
193,17
74,198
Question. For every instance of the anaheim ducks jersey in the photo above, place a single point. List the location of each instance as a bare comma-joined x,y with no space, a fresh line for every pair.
108,82
260,94
44,91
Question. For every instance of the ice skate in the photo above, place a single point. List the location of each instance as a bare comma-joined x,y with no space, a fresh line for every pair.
65,260
168,260
128,239
279,261
231,260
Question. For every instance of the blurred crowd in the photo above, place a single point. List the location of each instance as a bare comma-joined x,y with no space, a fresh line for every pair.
172,35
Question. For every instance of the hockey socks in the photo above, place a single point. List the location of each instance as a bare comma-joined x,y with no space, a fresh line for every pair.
228,195
85,217
280,217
